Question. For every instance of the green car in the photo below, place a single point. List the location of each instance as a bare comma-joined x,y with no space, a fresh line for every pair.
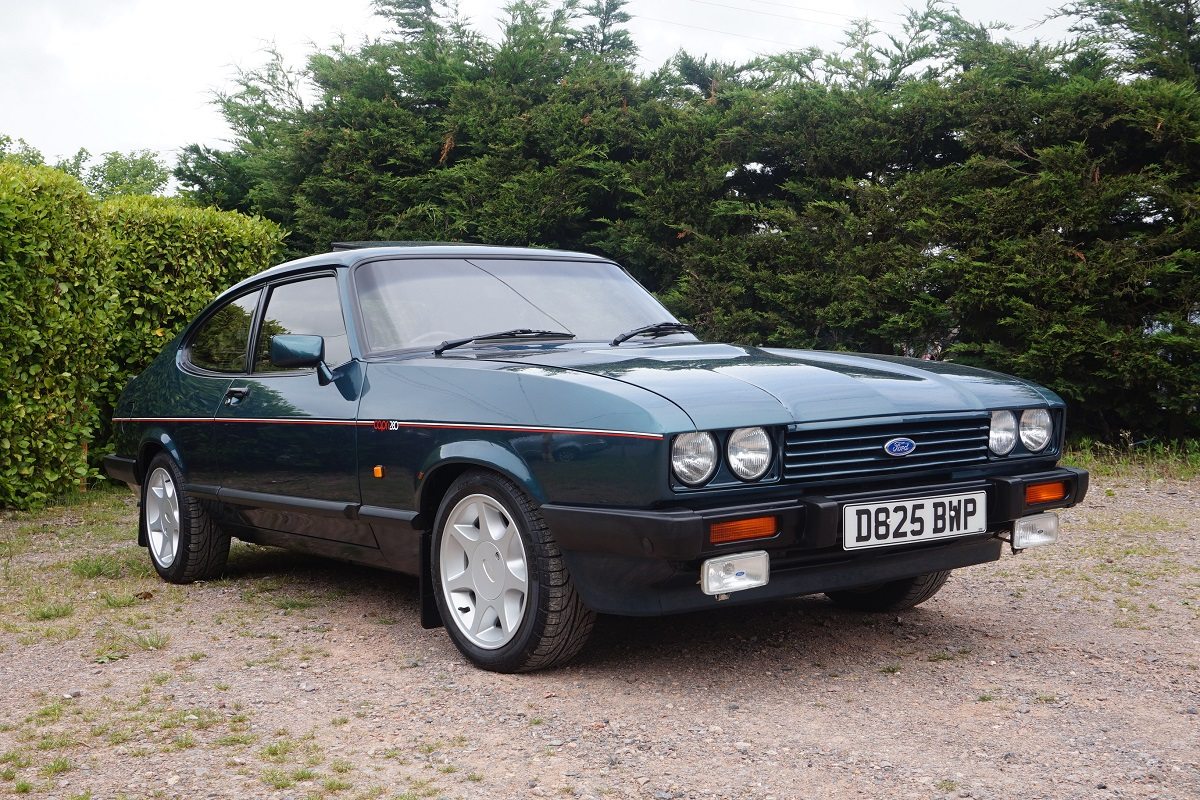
537,438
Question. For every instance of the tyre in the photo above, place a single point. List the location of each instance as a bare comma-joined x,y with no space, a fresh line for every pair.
892,596
499,581
185,544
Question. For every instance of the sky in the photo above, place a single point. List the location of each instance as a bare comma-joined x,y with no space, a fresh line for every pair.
141,74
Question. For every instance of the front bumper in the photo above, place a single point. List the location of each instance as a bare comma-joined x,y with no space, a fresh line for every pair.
646,562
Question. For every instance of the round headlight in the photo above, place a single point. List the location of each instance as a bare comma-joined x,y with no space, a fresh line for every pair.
1036,429
1003,436
694,457
749,452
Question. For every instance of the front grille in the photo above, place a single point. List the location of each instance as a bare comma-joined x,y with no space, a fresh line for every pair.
815,454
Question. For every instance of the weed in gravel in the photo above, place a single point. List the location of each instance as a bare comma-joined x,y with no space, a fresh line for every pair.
184,741
152,640
103,565
278,751
51,712
41,610
56,741
940,655
946,786
341,766
986,697
237,740
277,779
57,767
16,758
890,669
339,721
117,600
286,604
22,787
474,777
120,736
335,784
303,774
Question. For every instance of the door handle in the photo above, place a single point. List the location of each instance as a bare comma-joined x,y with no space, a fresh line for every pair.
236,394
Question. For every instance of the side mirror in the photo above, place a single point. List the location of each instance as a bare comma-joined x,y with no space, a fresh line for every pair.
296,351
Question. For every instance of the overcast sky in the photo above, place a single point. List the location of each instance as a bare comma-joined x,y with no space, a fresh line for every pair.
132,74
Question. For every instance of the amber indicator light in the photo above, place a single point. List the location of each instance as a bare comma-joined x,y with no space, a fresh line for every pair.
1045,492
378,471
739,530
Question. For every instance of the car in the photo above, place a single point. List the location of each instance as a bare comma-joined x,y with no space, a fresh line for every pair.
538,440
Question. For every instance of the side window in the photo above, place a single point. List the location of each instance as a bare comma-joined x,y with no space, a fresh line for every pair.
220,343
311,307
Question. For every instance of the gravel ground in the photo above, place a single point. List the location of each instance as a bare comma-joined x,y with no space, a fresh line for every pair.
1071,672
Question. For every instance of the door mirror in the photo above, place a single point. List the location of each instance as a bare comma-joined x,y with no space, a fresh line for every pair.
295,351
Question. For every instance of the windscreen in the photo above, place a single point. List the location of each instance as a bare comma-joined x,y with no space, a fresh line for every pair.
423,302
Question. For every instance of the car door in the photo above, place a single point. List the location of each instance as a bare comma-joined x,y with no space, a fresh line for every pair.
287,440
215,354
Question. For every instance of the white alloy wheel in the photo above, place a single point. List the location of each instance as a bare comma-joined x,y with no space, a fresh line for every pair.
162,517
484,571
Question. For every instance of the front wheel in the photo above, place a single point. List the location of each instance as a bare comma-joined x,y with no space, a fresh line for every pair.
504,594
185,544
891,596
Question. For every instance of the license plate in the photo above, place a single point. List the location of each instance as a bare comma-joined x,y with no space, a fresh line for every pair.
904,521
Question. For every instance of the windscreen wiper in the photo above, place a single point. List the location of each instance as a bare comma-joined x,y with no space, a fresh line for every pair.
515,333
657,329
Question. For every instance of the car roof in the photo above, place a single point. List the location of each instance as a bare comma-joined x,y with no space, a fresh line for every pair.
353,253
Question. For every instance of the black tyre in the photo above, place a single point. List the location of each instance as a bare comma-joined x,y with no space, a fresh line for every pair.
185,544
499,581
892,596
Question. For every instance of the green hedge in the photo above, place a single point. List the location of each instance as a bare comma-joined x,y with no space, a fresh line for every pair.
90,293
171,259
59,304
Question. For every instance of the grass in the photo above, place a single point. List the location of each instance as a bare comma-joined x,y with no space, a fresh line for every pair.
1147,459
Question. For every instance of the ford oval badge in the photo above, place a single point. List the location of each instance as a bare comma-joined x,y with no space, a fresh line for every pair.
901,446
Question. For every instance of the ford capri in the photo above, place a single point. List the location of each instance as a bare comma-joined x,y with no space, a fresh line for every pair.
538,440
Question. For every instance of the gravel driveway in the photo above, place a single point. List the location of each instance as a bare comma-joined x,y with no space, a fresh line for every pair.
1072,672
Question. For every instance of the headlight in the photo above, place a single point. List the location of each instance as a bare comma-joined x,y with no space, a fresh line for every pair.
1036,429
749,452
1003,436
694,457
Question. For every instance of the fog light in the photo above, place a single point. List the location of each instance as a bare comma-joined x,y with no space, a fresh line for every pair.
735,573
1035,531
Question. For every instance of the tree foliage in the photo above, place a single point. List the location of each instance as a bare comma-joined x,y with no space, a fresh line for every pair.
943,192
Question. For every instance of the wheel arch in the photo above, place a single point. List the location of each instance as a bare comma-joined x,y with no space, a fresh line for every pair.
155,442
435,478
448,462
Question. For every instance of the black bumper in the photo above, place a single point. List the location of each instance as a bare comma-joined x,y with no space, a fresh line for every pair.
647,562
121,469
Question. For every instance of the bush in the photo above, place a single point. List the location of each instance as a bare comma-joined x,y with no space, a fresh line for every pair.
171,259
58,304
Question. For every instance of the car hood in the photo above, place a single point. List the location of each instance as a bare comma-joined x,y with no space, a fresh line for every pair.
720,385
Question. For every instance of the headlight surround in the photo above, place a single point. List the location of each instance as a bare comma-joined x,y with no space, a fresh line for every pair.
1003,435
1037,429
749,453
694,457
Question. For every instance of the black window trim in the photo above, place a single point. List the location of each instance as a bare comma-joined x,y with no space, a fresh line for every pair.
269,288
186,350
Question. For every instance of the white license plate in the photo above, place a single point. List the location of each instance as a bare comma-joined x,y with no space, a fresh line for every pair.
905,521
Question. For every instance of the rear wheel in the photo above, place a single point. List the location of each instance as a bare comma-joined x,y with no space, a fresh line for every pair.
891,596
504,594
185,544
